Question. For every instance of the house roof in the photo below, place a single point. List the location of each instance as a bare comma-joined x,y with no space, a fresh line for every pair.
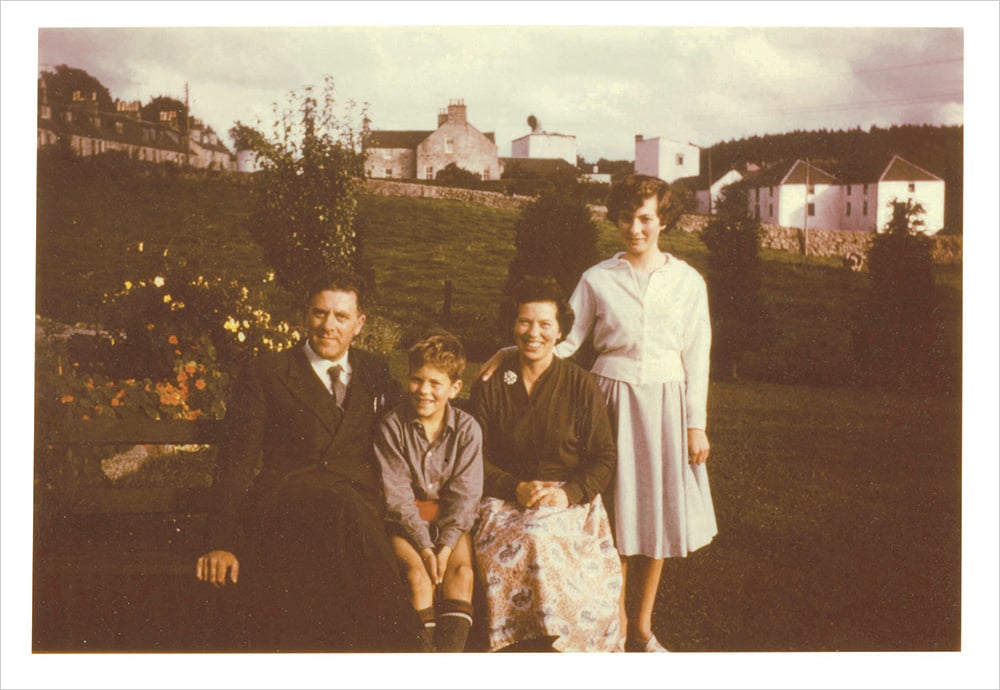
700,182
790,172
398,139
900,170
537,167
135,132
405,138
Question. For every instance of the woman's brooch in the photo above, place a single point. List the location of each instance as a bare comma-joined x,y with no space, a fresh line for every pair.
509,377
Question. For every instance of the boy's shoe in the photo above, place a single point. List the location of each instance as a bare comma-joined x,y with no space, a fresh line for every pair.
650,645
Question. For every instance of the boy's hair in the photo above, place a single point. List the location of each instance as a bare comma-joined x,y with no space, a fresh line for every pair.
632,191
339,281
441,350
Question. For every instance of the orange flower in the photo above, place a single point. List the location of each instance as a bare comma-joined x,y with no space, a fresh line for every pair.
121,393
192,414
115,402
182,377
90,383
150,326
200,384
66,399
177,352
172,340
191,367
85,417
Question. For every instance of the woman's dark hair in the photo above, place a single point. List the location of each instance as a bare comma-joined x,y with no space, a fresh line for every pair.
340,281
544,289
631,192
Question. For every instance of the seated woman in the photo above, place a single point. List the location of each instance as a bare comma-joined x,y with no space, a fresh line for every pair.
544,547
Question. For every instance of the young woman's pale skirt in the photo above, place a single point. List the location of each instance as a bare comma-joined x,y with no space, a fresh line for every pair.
662,503
549,572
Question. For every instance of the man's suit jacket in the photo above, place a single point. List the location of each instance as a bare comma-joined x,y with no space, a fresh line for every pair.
284,431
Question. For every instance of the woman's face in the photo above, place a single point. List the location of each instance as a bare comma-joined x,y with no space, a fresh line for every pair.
536,330
640,229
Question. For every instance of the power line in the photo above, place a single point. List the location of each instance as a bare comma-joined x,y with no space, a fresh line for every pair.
831,107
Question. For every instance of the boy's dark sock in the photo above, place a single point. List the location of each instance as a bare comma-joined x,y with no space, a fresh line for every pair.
453,623
427,618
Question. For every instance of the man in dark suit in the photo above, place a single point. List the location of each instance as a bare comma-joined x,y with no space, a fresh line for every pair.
298,491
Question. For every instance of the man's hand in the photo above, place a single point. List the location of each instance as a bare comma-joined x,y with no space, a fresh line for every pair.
213,567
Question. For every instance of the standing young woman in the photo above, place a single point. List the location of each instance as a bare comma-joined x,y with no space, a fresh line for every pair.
647,312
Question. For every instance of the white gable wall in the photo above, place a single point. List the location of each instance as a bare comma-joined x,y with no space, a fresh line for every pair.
666,159
544,145
927,193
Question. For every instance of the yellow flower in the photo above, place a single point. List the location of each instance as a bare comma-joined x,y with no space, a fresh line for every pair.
128,284
140,246
166,299
241,336
158,281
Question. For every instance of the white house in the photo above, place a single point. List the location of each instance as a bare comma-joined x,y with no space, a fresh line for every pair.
860,200
669,160
545,145
796,195
702,189
902,181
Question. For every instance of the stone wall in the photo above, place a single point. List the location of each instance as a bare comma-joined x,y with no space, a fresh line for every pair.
835,243
492,199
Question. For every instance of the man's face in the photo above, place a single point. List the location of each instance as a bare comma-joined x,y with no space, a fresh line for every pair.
333,321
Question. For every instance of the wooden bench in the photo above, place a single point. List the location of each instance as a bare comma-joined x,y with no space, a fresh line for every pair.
114,567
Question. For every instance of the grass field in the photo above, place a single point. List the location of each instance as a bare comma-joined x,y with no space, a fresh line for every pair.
839,509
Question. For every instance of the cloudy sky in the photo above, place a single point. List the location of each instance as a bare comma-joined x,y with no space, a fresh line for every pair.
603,84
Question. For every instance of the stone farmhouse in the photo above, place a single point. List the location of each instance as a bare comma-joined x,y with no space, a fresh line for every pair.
801,195
87,131
419,155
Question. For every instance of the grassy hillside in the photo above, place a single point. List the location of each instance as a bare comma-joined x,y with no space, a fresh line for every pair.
92,219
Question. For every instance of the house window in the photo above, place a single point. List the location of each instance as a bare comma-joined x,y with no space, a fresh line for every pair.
848,208
756,194
770,191
864,209
812,209
386,154
680,159
911,187
119,128
486,174
756,211
429,172
848,193
388,172
770,210
864,190
810,189
449,145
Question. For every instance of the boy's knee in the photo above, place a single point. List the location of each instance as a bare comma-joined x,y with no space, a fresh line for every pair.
461,576
419,580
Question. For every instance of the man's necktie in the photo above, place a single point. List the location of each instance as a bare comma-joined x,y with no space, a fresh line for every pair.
337,386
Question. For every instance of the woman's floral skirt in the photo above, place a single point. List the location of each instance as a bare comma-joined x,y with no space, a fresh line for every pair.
549,572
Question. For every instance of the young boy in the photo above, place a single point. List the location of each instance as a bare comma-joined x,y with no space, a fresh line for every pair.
432,471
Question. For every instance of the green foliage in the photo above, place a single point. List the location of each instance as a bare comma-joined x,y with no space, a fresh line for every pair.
305,199
454,176
151,111
64,80
733,277
554,237
896,327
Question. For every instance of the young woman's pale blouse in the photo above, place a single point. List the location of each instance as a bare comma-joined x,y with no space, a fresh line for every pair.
659,334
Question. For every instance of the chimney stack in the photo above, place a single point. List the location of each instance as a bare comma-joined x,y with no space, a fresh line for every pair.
638,137
456,112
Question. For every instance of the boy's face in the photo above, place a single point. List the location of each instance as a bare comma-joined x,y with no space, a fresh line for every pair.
430,390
